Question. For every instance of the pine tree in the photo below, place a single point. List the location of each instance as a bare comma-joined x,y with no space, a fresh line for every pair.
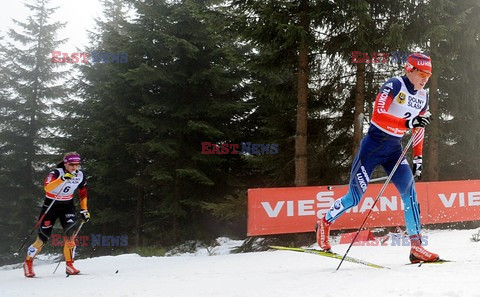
30,93
349,75
455,48
450,34
282,38
141,123
98,127
192,92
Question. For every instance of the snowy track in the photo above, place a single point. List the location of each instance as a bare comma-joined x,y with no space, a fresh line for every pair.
264,274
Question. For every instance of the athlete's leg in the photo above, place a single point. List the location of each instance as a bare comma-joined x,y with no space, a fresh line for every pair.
68,219
363,165
365,162
44,231
404,182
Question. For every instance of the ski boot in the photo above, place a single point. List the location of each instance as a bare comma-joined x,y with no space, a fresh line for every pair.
70,269
418,253
28,268
322,230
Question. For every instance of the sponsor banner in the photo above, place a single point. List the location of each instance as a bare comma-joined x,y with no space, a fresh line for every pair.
296,209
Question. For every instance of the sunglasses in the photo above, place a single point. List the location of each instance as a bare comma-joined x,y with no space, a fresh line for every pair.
73,164
423,74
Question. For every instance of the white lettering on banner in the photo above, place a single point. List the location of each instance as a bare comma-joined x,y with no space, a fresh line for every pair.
273,213
473,199
392,204
305,208
324,200
290,211
367,204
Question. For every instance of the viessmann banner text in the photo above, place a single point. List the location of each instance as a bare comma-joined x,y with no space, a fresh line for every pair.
296,209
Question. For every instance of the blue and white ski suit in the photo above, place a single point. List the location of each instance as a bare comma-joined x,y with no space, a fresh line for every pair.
396,103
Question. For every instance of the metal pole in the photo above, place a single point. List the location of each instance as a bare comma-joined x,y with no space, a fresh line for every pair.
380,194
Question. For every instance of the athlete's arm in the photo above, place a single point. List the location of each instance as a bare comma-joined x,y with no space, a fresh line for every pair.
83,193
384,99
52,181
419,136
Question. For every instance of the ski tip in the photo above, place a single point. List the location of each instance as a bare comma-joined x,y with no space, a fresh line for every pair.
80,273
278,247
439,261
274,246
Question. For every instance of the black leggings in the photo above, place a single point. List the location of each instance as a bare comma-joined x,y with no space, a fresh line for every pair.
64,210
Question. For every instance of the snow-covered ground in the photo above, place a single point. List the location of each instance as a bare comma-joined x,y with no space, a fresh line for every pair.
263,274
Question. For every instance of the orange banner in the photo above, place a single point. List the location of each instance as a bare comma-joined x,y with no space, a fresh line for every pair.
296,209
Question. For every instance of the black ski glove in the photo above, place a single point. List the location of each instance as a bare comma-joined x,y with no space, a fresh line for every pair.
419,121
85,215
417,167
